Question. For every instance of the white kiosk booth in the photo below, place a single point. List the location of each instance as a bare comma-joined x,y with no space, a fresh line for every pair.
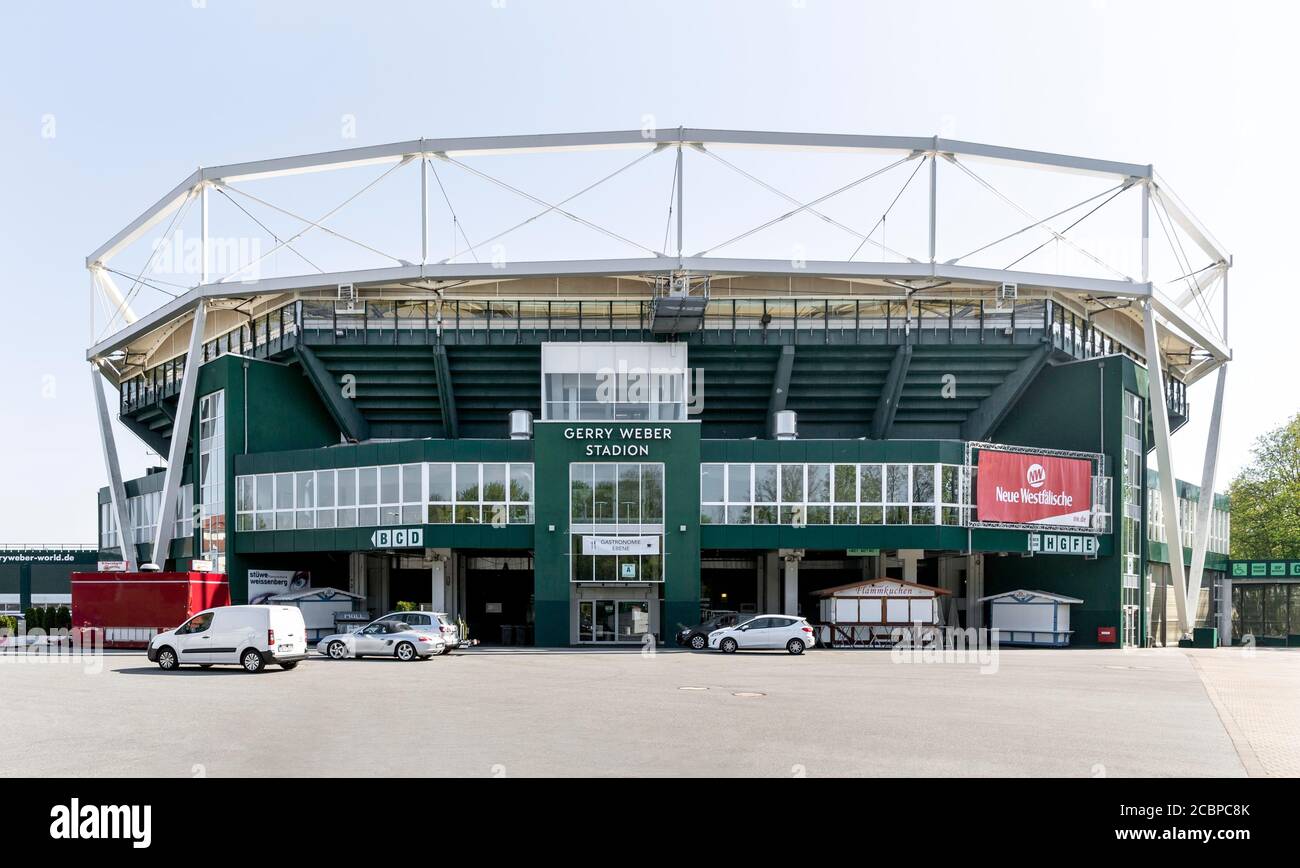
1031,618
865,614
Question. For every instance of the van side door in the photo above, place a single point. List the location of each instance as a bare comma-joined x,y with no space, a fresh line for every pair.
194,639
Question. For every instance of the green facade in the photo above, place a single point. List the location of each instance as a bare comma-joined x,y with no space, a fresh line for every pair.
278,420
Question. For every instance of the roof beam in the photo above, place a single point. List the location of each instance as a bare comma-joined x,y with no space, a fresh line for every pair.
985,418
463,146
780,385
446,396
343,410
882,420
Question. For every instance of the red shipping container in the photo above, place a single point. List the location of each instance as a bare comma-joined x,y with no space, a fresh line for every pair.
131,607
1106,635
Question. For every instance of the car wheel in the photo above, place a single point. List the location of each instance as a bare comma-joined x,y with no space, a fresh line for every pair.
699,643
167,659
728,645
405,652
336,650
290,665
794,646
252,660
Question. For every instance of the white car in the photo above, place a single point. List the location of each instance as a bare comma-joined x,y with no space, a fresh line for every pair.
383,638
250,636
434,622
765,631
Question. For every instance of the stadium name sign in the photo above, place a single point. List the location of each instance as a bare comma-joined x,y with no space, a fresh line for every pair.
625,433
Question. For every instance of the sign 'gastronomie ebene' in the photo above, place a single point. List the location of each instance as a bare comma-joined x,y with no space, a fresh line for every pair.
1019,488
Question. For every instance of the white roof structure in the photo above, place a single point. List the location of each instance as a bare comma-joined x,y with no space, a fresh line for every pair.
1023,596
925,219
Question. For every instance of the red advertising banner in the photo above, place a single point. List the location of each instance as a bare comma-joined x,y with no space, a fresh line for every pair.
1019,488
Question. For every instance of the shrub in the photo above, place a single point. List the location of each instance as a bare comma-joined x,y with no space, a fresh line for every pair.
10,623
34,618
404,606
63,618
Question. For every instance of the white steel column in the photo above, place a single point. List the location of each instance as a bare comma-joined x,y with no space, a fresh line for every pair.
934,202
1165,464
681,188
424,205
204,246
180,439
116,491
1205,506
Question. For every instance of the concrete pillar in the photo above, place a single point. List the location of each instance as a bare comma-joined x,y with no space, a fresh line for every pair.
790,597
439,580
974,590
1225,610
771,582
909,557
357,573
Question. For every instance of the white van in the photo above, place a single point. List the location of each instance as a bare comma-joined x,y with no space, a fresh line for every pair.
250,636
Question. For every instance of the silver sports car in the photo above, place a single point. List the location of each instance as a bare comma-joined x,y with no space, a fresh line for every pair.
385,638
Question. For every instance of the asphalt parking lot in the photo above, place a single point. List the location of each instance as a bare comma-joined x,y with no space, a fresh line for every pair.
523,712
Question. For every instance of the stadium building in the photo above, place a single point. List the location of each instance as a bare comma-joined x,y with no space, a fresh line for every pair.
570,440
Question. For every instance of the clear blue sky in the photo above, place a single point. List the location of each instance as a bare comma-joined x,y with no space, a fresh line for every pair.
140,93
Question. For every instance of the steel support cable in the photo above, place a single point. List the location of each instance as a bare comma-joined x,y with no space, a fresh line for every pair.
455,218
549,207
317,223
1122,186
310,226
885,214
672,197
809,205
1180,256
222,190
1060,234
792,200
152,284
1042,222
556,208
135,286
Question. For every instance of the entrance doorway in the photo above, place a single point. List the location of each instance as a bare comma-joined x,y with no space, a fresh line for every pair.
613,620
499,599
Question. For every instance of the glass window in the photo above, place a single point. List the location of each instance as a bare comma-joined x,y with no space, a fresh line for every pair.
897,483
629,493
467,483
389,484
652,493
412,481
367,486
792,483
765,483
711,483
521,483
846,483
871,490
819,484
738,481
494,483
581,492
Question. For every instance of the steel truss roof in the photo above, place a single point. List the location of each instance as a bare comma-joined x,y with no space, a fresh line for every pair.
1201,336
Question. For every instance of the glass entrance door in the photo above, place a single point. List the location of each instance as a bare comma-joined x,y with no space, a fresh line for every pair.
610,621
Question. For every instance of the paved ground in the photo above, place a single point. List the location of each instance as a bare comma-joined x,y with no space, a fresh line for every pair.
520,712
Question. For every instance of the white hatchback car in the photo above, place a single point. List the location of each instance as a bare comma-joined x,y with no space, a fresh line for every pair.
765,631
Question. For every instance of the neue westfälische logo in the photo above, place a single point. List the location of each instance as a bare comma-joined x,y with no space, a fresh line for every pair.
1034,491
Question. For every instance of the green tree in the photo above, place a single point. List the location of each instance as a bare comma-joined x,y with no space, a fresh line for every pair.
1266,497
